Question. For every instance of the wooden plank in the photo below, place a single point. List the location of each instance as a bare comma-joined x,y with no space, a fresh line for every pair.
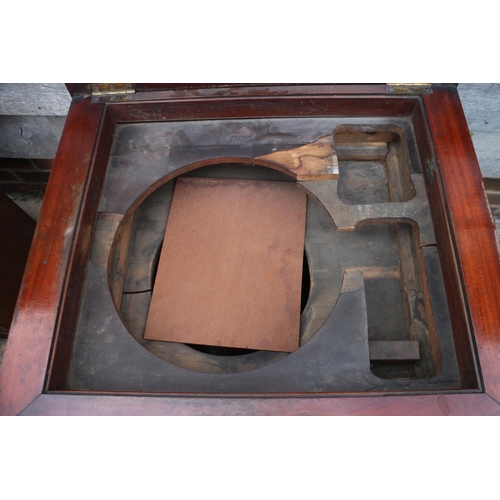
255,107
80,255
32,331
463,340
418,405
471,224
230,268
394,350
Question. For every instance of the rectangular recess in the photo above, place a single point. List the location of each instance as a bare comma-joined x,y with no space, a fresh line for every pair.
230,270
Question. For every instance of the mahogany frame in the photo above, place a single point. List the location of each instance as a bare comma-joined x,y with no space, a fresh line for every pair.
40,340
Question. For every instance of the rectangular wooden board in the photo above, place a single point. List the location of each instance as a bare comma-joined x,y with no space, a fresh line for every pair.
230,270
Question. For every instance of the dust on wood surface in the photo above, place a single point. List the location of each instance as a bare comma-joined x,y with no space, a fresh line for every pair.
230,269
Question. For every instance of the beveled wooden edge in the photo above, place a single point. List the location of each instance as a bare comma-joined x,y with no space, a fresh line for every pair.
437,405
23,370
80,252
464,344
472,226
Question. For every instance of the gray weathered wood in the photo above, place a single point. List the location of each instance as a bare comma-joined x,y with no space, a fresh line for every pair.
30,136
394,350
35,99
487,147
481,103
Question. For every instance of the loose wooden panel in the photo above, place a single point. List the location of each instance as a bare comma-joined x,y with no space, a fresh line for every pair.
230,268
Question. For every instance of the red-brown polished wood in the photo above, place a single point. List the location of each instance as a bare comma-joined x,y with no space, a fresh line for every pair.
63,338
231,265
472,225
26,355
255,107
437,405
460,323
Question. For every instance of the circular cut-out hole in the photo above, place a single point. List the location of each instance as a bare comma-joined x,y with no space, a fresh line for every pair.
133,306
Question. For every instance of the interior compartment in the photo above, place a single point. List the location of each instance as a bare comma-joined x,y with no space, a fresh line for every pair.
374,315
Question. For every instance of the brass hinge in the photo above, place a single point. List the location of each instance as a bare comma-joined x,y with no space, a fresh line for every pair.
113,91
408,88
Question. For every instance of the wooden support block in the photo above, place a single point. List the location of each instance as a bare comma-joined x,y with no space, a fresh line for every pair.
230,270
394,350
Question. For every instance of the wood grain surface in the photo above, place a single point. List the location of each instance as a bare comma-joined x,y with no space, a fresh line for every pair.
416,405
26,356
314,161
231,265
257,107
472,225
